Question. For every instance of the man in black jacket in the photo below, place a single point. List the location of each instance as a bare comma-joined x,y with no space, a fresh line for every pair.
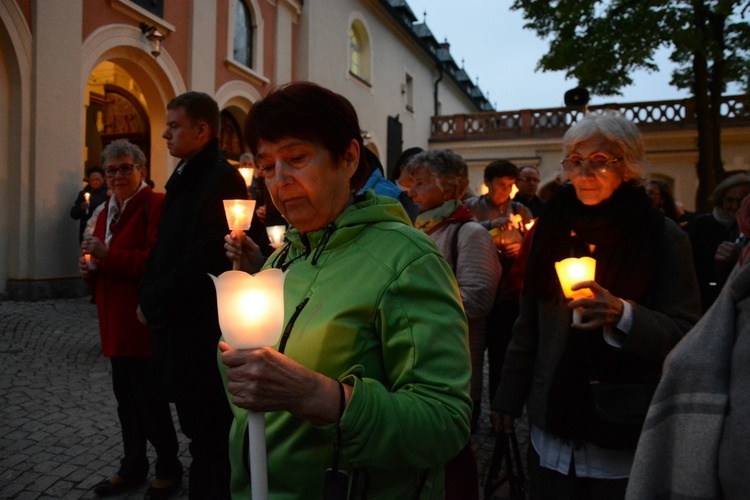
177,297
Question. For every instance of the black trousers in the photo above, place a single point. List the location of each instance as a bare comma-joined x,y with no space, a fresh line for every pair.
142,419
500,323
207,426
547,484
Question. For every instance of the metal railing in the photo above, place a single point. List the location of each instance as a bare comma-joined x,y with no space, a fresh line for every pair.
553,122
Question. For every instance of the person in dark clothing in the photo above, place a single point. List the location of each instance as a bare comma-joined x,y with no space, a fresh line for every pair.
662,198
401,161
384,187
716,239
527,184
84,206
176,296
586,384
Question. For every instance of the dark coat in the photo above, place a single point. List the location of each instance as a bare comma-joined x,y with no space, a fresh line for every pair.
177,296
706,234
98,196
540,333
117,277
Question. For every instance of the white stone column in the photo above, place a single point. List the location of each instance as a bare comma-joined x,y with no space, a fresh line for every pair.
202,62
286,15
57,138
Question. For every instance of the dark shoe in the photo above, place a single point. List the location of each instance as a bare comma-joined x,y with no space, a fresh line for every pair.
162,489
115,485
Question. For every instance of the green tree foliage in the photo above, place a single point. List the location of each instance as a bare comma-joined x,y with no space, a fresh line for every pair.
600,44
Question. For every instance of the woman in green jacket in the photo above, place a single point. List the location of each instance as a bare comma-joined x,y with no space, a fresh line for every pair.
375,371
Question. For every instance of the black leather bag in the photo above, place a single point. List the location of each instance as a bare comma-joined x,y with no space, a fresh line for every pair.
619,411
505,477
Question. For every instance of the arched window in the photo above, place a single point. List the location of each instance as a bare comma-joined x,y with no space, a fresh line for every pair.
243,34
359,51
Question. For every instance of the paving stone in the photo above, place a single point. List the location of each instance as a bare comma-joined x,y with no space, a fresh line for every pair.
59,432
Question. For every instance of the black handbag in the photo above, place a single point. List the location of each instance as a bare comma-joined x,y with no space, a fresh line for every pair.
506,482
618,413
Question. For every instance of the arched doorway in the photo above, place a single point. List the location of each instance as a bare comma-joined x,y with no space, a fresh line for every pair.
231,143
15,85
116,109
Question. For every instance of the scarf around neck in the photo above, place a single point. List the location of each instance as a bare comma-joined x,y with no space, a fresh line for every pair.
447,213
625,229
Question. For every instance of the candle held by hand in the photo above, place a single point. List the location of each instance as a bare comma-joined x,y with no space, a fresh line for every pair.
89,261
251,315
239,216
276,235
572,271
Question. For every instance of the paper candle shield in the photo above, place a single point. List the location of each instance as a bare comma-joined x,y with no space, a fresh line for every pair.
239,214
571,271
247,174
251,307
276,235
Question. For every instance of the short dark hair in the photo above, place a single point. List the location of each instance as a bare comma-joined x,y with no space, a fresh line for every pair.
305,110
199,106
95,170
500,168
402,160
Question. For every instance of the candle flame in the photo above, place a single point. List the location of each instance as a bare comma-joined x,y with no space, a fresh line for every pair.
251,307
572,271
247,174
239,214
530,224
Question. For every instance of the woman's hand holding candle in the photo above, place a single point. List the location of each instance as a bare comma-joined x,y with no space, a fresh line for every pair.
599,310
94,247
266,380
244,251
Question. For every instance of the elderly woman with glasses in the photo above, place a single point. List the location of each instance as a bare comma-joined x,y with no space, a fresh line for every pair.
113,261
587,385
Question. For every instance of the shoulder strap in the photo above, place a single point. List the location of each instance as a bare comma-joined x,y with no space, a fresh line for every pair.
454,246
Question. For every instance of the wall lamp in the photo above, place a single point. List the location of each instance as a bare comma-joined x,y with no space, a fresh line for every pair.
154,36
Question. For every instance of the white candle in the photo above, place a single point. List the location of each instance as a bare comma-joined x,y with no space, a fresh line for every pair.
87,197
251,316
89,262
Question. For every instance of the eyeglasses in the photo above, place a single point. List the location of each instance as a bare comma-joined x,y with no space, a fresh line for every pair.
598,163
125,170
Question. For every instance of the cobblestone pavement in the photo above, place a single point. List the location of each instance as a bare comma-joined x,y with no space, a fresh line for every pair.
59,433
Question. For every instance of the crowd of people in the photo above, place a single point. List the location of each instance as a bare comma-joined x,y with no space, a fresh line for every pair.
396,288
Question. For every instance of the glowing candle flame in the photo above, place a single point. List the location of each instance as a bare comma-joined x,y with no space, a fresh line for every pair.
247,174
276,235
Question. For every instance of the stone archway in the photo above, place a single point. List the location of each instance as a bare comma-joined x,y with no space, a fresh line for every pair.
159,80
114,110
15,106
